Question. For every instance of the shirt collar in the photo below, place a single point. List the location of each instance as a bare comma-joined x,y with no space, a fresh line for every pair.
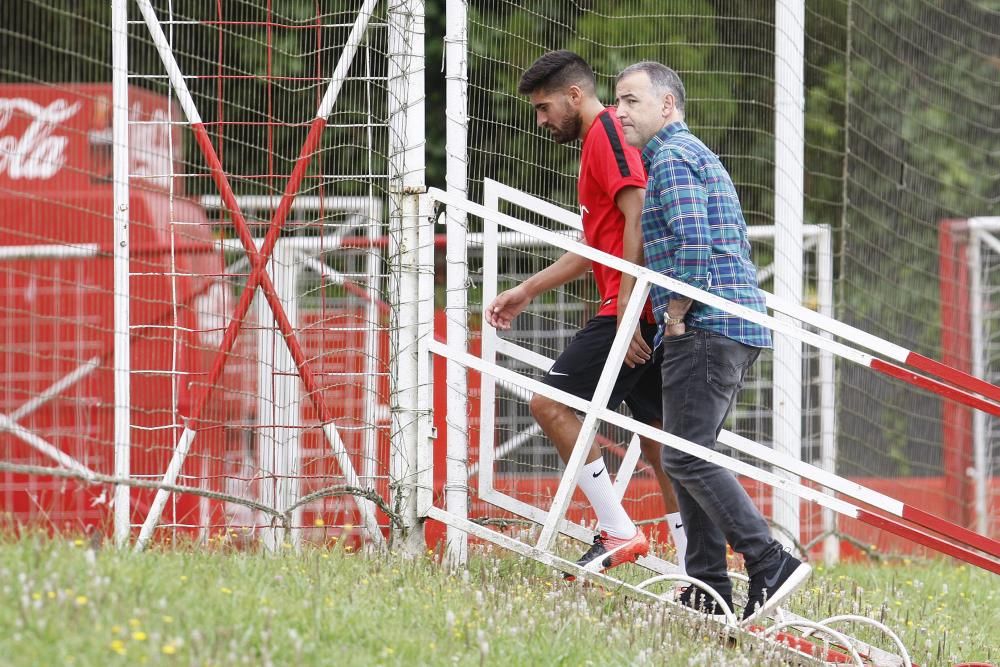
660,138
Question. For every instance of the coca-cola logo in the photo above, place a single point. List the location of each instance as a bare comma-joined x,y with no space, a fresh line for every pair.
38,154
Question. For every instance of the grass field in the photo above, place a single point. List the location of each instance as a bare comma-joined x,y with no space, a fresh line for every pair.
62,603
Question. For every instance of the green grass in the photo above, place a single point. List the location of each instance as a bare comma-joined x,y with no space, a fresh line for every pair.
64,604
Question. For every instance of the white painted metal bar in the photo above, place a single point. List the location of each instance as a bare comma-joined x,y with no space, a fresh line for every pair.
588,430
489,343
181,450
825,477
405,20
827,388
822,477
54,389
122,338
805,315
278,446
457,275
990,224
346,58
48,251
657,279
515,351
44,446
510,445
361,205
612,417
789,202
169,62
627,467
425,361
978,353
517,197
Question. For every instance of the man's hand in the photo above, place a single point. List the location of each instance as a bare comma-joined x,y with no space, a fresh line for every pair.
502,311
639,351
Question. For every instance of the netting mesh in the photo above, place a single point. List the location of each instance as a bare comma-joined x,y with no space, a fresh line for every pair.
256,73
903,111
726,66
901,103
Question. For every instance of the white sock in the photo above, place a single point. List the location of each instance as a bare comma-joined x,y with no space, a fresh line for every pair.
680,537
611,517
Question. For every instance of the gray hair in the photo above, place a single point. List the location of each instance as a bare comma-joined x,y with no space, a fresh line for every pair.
663,79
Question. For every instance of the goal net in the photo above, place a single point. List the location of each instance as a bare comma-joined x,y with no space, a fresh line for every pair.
897,101
271,412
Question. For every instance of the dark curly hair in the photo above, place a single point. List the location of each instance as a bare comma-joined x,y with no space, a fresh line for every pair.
556,70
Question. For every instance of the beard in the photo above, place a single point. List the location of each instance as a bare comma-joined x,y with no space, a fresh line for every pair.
567,130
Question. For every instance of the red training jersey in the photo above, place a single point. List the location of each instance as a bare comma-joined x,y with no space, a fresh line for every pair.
607,165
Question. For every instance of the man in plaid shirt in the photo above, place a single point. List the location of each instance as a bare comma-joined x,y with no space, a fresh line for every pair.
693,231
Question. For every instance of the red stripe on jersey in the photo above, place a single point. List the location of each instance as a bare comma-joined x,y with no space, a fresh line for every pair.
607,165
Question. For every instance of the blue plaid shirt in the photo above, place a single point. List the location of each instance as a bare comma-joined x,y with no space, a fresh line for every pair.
693,230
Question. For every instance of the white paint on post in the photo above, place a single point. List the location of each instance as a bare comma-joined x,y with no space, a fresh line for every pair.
827,387
122,338
789,183
457,278
979,471
406,184
490,344
278,386
425,370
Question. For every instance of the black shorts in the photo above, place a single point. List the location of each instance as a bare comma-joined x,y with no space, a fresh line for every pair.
579,367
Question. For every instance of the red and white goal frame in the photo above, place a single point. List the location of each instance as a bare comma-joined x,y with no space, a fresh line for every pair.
409,414
969,252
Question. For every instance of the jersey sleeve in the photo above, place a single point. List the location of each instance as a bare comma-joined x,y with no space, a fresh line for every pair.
616,164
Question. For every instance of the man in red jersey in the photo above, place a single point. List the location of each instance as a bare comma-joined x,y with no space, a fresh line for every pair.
562,88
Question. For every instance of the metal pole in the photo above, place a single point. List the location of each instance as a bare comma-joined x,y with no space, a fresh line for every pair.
789,134
406,185
457,307
278,445
122,340
979,419
827,388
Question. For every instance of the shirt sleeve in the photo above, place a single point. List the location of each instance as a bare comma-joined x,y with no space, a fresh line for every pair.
684,200
618,165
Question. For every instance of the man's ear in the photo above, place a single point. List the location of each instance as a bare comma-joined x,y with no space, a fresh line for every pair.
668,105
575,95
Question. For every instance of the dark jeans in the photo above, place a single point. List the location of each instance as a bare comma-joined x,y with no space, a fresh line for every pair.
702,374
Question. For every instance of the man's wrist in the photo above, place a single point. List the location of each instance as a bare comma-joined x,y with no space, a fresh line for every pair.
672,321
